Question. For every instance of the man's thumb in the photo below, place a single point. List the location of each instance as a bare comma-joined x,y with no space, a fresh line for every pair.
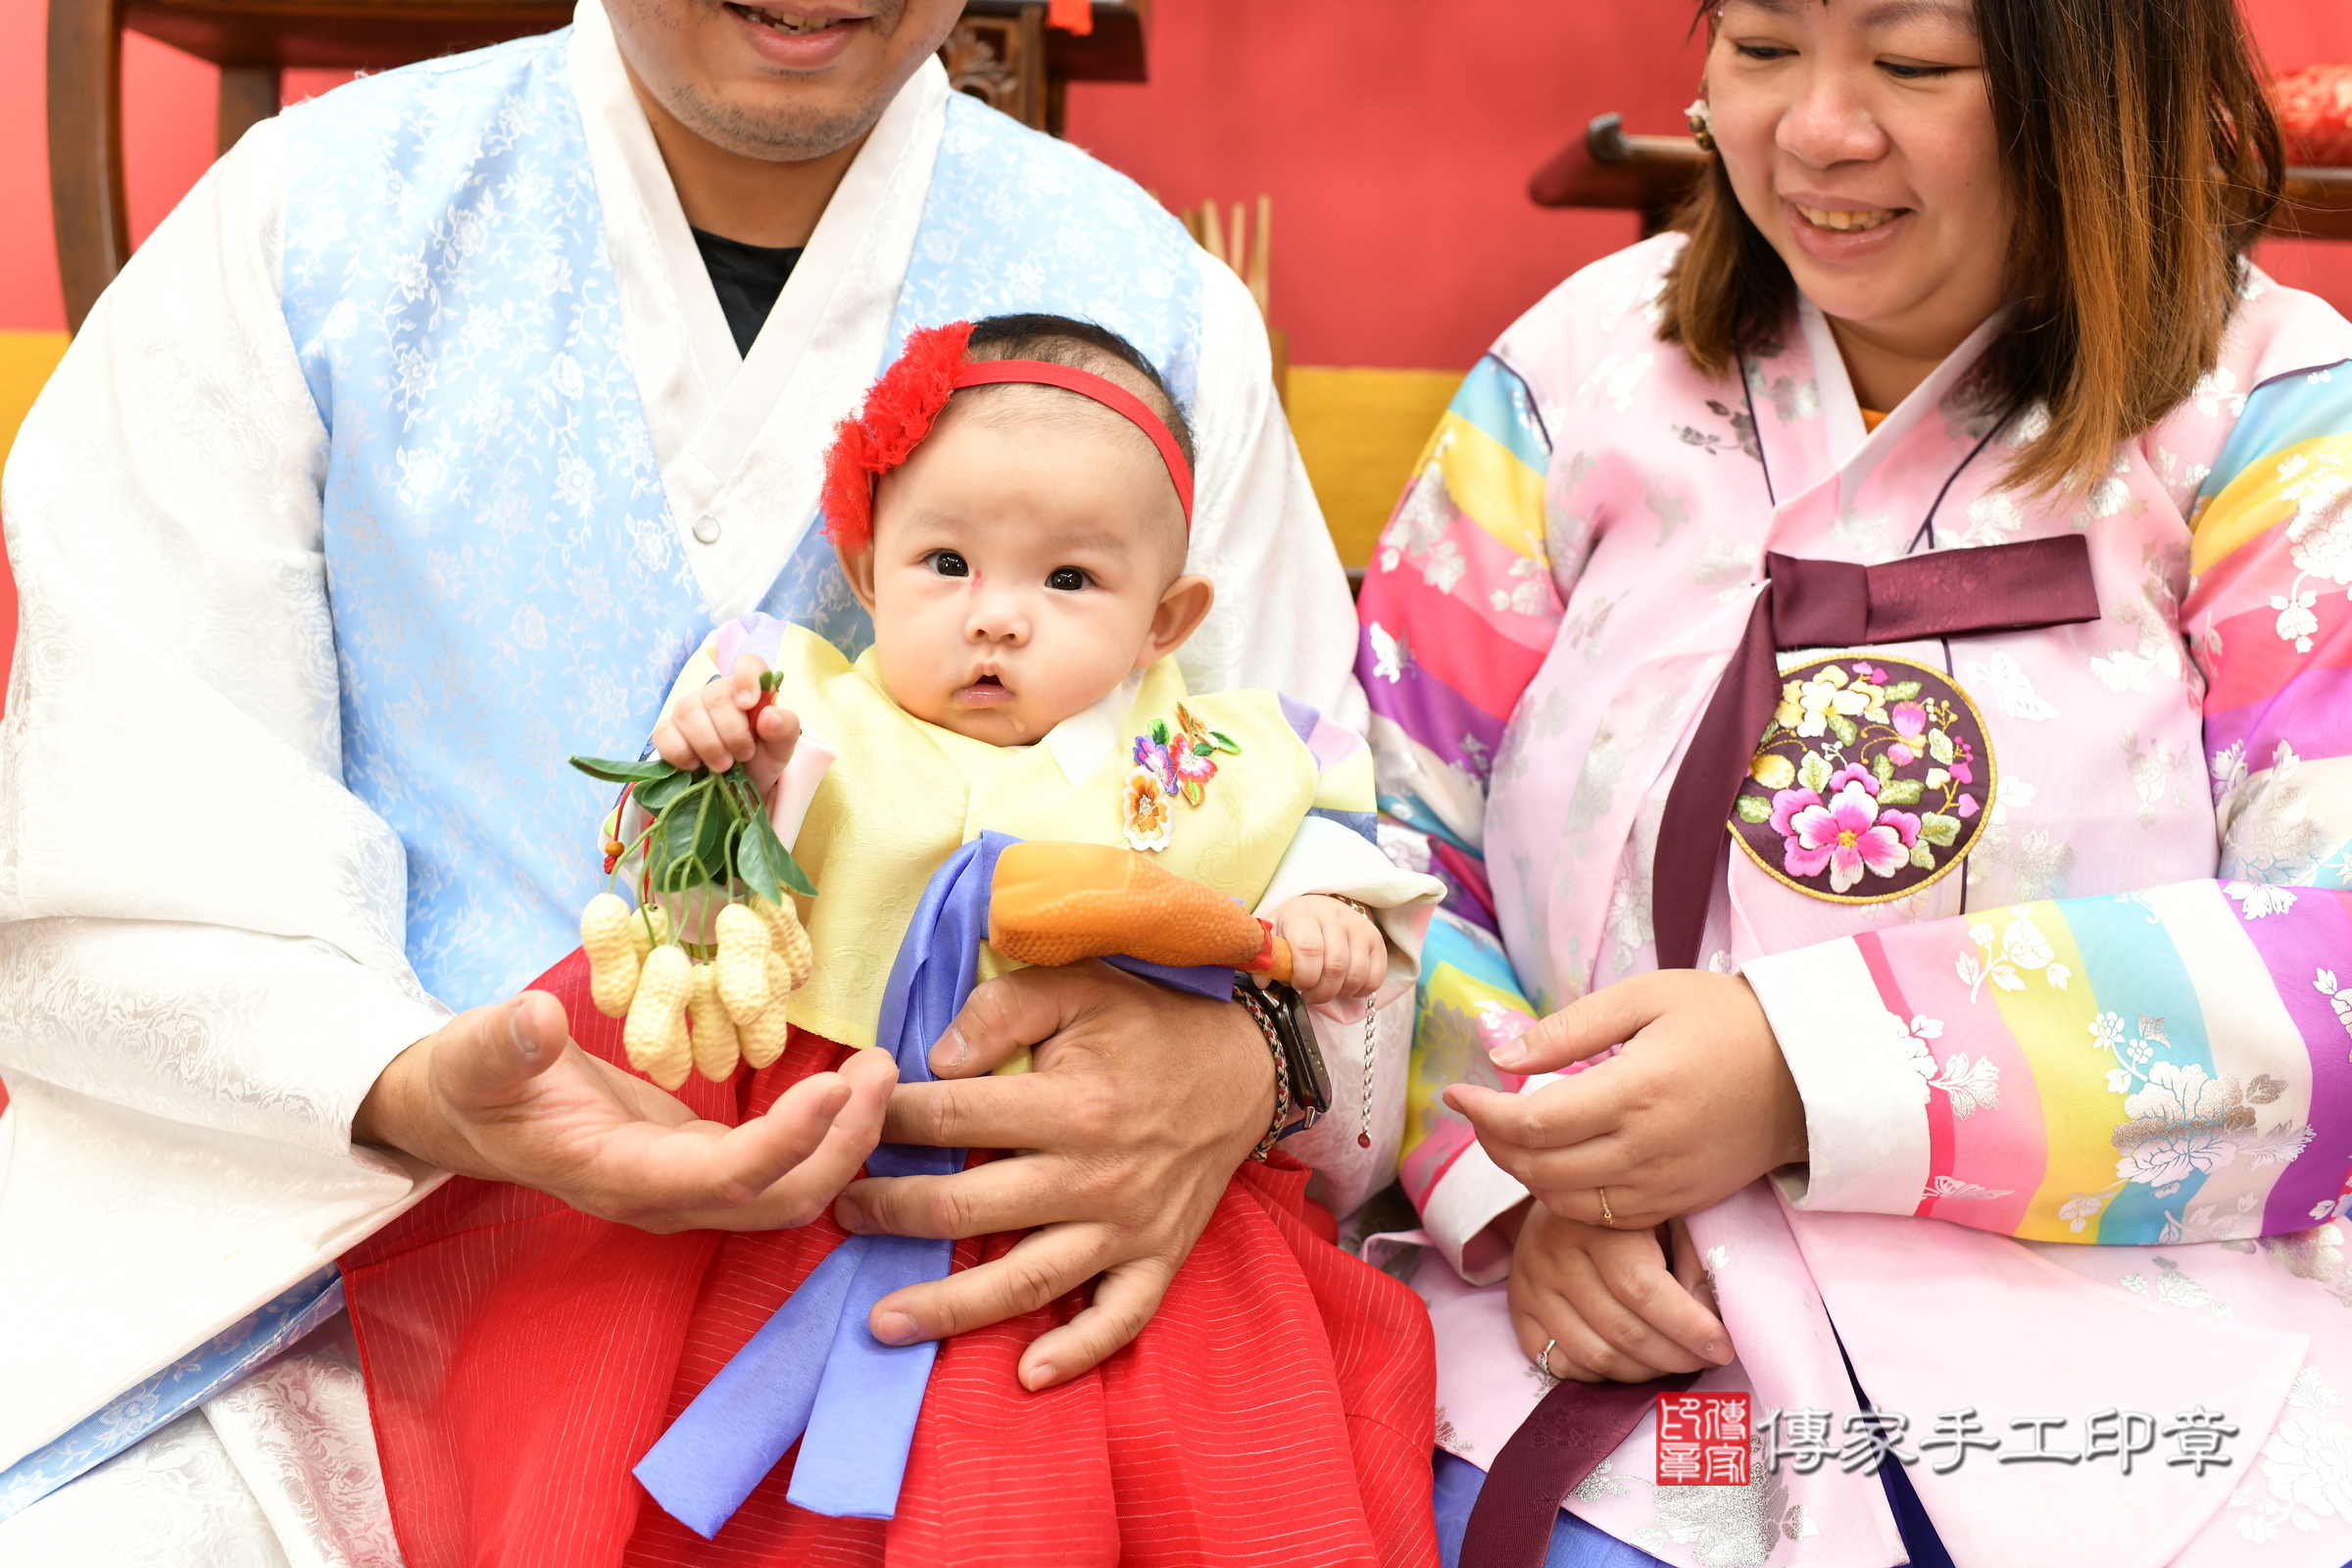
484,1055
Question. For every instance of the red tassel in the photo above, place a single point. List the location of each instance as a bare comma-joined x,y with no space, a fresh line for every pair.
1071,15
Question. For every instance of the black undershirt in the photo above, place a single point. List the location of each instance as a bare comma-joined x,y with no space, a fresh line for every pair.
748,278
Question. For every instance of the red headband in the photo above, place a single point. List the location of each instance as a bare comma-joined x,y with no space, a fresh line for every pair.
907,400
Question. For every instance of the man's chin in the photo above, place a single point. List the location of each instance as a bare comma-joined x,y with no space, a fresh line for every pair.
785,97
783,120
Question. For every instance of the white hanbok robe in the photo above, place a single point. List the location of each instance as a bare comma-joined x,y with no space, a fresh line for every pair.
207,950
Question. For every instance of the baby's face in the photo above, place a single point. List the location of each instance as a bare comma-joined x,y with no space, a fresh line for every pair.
1022,568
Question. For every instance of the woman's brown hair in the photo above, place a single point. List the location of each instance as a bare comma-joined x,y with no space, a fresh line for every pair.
2142,159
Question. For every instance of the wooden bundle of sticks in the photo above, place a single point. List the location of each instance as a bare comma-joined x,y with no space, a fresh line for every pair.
1249,252
1250,256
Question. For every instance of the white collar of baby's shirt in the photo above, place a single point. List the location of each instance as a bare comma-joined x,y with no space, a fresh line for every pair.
1080,742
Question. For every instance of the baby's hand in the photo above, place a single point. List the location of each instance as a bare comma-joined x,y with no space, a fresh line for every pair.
1335,952
1606,1303
713,728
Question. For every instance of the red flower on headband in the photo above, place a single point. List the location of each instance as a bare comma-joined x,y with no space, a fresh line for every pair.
897,414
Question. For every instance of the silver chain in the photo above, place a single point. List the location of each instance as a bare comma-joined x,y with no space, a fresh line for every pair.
1364,1138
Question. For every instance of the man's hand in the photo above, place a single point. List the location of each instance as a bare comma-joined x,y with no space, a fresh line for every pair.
1606,1304
1698,1104
502,1093
1141,1104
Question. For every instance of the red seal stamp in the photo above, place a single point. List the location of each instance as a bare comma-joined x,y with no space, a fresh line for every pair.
1702,1440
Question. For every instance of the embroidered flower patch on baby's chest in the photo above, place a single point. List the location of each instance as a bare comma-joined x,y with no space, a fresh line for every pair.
1171,764
1871,783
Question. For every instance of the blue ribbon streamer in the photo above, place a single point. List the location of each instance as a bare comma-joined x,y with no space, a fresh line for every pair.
213,1367
815,1369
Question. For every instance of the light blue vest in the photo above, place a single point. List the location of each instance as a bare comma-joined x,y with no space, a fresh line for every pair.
506,585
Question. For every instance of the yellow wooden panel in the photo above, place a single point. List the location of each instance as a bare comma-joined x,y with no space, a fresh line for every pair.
26,361
1360,433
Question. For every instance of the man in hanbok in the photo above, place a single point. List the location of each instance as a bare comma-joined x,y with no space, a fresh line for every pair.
454,407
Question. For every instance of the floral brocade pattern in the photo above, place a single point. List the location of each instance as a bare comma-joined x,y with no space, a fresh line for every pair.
1871,783
506,581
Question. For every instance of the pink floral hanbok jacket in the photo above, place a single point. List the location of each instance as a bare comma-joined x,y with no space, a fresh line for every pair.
2052,926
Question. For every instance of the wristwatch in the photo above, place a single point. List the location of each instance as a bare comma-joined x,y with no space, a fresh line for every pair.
1283,1017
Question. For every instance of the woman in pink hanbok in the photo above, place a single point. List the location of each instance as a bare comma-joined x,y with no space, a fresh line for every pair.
1876,668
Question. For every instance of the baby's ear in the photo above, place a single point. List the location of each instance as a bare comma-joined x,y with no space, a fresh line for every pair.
1182,608
859,568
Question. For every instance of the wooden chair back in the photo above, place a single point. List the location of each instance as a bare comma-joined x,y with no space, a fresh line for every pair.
1607,167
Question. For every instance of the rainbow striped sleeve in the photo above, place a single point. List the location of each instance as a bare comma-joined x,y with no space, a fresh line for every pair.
1458,609
2168,1065
2161,1066
2269,622
1469,1002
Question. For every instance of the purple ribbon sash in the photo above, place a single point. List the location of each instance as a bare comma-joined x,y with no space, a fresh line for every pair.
815,1370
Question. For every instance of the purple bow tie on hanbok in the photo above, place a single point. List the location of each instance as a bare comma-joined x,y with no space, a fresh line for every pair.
1835,604
815,1368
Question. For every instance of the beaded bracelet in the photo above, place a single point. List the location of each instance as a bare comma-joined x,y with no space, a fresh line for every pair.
1247,995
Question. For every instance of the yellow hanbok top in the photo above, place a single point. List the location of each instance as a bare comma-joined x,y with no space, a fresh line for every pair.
901,796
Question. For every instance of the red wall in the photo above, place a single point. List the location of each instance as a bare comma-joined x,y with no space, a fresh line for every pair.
1396,139
1398,146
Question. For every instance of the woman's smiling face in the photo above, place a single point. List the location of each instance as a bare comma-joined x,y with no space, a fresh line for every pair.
1859,137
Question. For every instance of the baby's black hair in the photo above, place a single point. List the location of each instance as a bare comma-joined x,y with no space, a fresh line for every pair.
1082,346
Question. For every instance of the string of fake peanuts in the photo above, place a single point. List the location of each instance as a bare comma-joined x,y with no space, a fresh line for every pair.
681,1013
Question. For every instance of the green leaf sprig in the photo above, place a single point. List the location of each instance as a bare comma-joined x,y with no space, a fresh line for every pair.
706,827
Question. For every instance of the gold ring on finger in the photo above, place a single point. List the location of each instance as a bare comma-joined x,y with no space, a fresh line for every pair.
1608,1216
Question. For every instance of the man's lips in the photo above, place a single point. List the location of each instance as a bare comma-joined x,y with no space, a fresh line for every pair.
794,20
800,37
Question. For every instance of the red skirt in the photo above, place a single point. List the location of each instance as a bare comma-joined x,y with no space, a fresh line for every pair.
520,1357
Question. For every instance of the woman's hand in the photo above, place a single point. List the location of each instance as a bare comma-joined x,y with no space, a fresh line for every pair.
502,1093
1698,1104
1141,1104
1606,1304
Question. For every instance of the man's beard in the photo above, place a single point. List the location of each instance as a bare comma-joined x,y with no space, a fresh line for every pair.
792,130
785,137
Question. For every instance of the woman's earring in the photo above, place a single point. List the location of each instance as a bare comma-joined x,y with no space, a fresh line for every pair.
1703,124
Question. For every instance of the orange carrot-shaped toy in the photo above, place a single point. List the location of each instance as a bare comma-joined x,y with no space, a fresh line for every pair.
1055,903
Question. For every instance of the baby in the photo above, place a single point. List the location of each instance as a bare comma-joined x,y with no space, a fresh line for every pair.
1012,508
1023,566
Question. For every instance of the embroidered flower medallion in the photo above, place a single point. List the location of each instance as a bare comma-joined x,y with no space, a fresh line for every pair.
1144,810
1169,764
1871,783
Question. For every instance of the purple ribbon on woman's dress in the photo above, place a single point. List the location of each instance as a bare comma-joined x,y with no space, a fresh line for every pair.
1835,604
815,1368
